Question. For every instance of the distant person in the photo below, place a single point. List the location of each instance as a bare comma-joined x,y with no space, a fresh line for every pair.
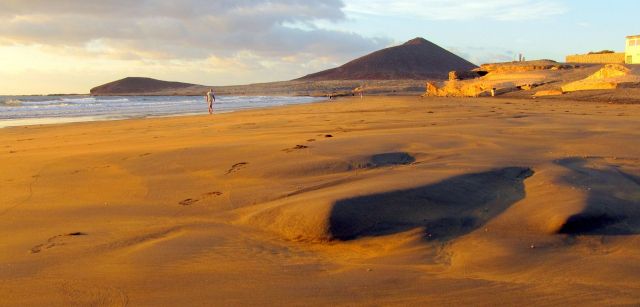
211,98
358,91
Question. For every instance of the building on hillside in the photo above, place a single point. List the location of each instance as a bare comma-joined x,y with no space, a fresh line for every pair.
632,51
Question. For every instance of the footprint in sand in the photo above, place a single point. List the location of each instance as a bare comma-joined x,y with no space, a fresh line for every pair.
212,194
191,201
297,147
55,241
236,167
188,202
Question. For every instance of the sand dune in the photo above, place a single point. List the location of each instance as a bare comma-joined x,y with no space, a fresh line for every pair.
446,209
381,201
612,207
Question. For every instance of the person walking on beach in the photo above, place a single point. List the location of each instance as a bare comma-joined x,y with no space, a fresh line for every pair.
361,91
211,98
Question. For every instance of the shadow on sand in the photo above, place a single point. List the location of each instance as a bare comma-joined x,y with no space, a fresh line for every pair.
613,202
447,209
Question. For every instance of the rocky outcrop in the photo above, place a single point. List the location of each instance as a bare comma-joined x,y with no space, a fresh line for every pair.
432,89
465,75
475,88
610,71
609,77
454,88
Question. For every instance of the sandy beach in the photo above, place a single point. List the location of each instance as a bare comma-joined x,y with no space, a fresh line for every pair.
375,201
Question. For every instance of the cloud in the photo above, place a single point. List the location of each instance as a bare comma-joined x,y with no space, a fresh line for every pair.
502,10
213,41
189,29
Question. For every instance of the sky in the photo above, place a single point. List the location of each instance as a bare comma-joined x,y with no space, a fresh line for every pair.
70,46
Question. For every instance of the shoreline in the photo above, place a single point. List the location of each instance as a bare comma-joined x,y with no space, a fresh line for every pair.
50,121
21,122
53,121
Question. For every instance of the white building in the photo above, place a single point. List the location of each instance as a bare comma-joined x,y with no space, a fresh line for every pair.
632,51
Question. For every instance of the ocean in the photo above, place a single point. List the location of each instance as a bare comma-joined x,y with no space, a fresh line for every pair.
29,110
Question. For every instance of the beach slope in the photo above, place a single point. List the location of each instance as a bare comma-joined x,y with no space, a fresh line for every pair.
380,201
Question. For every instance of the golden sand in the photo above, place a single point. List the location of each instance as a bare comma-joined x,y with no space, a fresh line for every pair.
398,201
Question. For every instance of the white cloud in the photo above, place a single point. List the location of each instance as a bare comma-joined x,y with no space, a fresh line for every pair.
216,42
503,10
194,29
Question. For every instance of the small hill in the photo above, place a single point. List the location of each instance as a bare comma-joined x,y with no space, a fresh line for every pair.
417,59
138,85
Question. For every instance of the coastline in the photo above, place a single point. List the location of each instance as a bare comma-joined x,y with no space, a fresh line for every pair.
4,123
248,207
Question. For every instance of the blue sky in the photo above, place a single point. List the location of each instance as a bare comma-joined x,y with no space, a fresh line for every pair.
72,45
557,29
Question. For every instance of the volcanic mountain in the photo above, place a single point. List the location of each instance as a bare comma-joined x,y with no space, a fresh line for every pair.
417,59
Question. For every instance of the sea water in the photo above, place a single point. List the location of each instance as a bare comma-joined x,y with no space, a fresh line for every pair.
29,110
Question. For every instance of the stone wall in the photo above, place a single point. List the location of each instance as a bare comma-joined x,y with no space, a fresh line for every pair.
604,58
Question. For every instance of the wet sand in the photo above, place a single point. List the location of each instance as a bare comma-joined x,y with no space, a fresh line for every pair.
385,200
